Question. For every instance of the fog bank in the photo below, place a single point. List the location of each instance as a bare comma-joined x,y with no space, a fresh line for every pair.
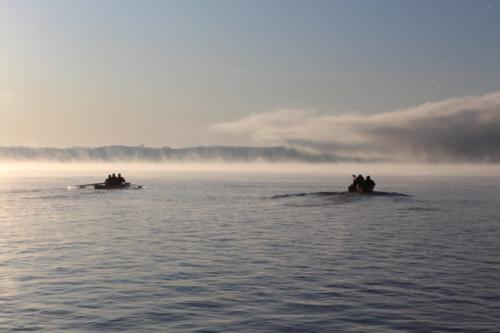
464,129
143,154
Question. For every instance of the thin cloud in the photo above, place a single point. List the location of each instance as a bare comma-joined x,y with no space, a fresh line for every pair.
464,129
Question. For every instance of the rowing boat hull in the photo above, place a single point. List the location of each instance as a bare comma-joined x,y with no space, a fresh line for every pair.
112,187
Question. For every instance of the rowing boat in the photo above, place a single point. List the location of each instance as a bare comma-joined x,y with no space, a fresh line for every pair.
104,186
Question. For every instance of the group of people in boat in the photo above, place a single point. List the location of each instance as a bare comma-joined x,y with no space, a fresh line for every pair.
361,184
114,180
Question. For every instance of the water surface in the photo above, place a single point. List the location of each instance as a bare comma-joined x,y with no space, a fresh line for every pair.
213,252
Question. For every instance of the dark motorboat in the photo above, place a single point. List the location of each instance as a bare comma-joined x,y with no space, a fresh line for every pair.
122,186
361,191
361,185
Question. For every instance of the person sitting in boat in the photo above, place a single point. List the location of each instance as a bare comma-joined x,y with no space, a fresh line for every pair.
368,185
353,186
120,180
113,180
108,180
359,183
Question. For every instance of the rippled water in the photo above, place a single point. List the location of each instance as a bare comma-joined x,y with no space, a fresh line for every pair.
250,253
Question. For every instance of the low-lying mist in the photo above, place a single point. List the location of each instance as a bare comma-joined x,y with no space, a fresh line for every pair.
141,154
102,169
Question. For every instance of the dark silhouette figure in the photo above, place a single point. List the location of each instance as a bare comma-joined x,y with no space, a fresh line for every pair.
113,180
359,183
368,185
120,179
353,186
362,185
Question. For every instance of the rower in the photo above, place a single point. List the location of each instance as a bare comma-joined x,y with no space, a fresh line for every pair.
120,179
353,187
368,185
359,183
113,180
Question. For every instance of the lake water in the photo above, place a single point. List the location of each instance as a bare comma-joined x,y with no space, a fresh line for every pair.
240,252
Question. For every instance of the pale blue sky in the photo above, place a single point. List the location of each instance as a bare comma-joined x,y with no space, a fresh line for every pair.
161,72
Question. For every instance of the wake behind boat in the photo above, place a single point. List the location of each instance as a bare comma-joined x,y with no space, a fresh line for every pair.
345,194
360,185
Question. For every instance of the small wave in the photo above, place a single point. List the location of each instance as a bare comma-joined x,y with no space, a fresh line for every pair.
345,193
24,191
390,194
281,196
421,209
49,197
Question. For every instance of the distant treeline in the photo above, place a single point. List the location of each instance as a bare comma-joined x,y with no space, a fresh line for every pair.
165,154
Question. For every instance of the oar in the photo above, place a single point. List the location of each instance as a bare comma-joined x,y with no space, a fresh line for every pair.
136,186
86,185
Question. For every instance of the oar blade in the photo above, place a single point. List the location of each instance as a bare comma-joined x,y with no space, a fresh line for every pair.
88,185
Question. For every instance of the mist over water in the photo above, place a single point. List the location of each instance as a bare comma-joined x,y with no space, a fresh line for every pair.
229,250
101,169
142,154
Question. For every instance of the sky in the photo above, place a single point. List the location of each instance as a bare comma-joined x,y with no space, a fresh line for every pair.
187,73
